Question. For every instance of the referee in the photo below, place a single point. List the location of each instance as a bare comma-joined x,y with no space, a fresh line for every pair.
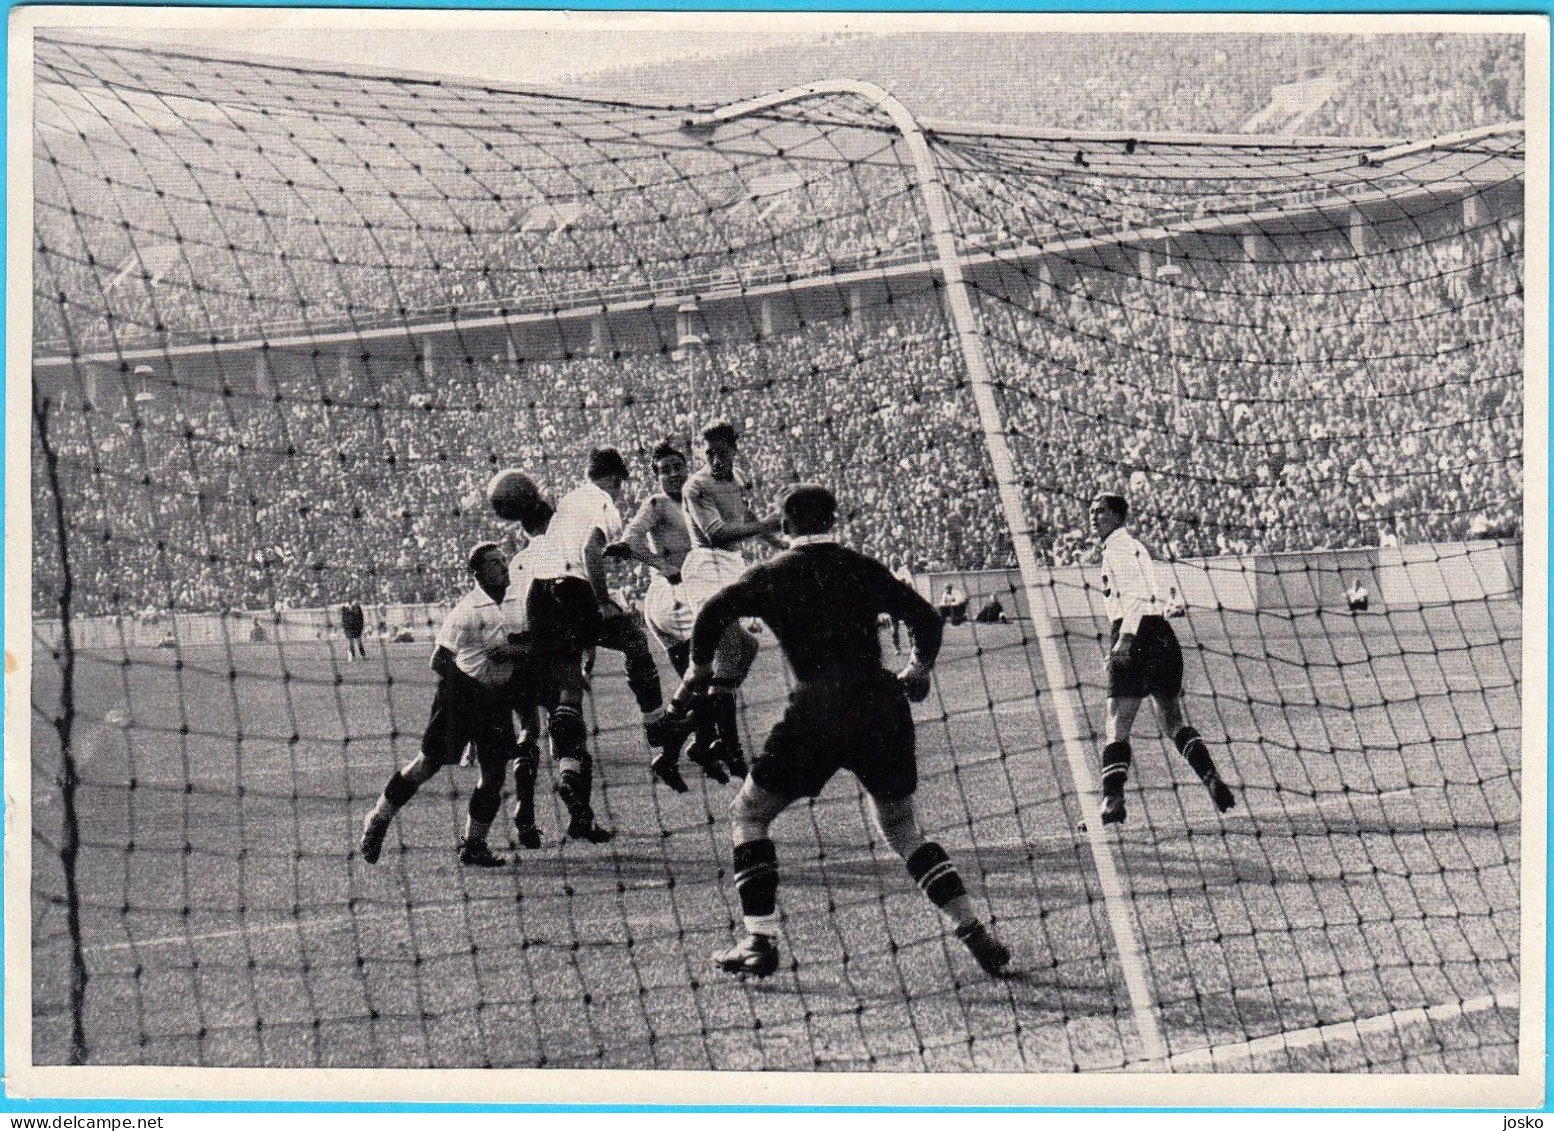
823,602
1145,660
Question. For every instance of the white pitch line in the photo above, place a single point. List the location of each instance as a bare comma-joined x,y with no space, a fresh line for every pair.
1215,1056
229,933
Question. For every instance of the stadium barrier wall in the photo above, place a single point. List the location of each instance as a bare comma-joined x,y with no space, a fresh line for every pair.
1400,577
281,626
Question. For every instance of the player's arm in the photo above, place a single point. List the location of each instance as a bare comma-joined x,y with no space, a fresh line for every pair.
635,543
722,534
924,622
593,563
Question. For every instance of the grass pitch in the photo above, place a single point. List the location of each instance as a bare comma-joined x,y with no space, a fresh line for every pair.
1359,910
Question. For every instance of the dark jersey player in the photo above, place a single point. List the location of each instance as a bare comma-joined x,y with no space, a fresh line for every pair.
823,602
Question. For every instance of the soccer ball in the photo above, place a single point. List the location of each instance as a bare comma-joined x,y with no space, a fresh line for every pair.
512,495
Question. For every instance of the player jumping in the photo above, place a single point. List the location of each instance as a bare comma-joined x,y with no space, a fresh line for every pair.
822,603
558,607
720,518
659,537
1145,659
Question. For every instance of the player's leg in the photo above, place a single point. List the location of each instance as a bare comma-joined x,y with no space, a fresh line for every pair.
569,747
679,656
876,739
1173,721
492,752
933,871
401,787
526,767
1117,757
752,812
446,734
730,665
620,633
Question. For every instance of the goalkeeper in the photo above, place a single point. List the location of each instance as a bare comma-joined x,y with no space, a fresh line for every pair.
822,602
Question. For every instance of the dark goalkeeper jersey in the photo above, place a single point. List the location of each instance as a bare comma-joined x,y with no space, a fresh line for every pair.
822,602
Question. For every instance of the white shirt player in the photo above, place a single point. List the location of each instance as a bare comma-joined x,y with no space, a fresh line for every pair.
536,560
579,513
1128,581
473,629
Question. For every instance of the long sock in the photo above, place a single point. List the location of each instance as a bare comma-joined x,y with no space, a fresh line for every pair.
725,714
476,830
525,769
935,874
755,878
1196,751
396,795
1115,760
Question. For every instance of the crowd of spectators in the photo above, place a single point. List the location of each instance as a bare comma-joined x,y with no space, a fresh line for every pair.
1332,394
1384,85
1340,400
236,224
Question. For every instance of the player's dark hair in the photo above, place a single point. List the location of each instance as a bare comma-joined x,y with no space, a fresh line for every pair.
720,430
1116,504
809,508
664,450
479,552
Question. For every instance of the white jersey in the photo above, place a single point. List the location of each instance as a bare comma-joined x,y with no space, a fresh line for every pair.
536,560
1128,581
473,629
578,515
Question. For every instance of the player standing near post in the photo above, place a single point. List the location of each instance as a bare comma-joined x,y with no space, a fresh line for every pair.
822,602
477,665
1145,659
720,517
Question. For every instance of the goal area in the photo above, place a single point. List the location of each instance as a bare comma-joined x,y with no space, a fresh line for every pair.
287,322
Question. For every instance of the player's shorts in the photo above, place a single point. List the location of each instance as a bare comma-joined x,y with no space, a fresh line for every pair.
563,617
861,724
705,571
667,611
466,711
1155,666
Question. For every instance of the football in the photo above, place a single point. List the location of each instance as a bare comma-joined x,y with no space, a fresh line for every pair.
512,495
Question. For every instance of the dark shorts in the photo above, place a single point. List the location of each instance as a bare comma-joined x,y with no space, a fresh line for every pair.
1154,668
564,618
463,712
863,726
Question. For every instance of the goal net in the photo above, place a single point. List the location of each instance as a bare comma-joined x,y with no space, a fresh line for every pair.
287,323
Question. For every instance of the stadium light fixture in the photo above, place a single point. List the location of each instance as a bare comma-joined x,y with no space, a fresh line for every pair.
145,394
